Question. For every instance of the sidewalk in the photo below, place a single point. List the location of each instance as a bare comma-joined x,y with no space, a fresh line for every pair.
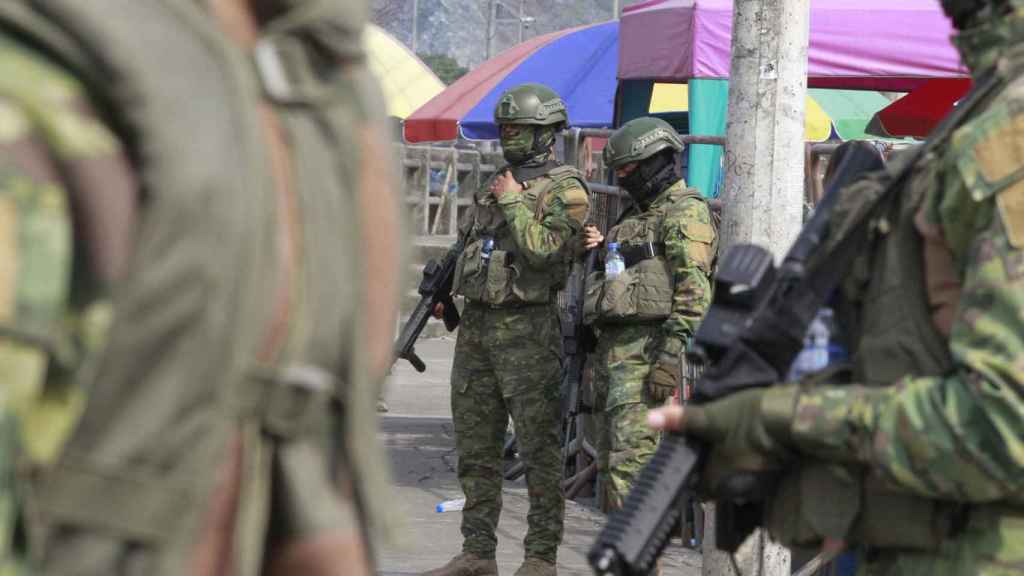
418,435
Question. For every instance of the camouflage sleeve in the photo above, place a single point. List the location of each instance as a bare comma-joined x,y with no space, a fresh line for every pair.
54,149
565,211
961,436
689,248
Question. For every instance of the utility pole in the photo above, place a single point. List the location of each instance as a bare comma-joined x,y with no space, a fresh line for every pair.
764,178
415,23
615,8
522,19
492,8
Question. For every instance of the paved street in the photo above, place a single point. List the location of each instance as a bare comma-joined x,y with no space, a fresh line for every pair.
418,436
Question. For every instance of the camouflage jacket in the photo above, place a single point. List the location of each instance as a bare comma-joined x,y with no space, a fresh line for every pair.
531,232
959,435
685,228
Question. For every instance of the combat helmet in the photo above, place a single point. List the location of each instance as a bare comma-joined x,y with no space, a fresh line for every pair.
531,103
640,139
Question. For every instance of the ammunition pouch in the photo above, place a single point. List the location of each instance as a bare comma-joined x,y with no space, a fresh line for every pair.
641,293
818,500
502,280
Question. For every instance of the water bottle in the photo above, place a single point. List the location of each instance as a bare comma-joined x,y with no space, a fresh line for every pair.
450,505
485,252
818,351
613,262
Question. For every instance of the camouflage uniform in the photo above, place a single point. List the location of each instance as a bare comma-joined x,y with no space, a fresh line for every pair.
925,451
221,350
956,436
507,354
37,255
627,352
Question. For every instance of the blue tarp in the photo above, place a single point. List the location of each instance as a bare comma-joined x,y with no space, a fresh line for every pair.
580,66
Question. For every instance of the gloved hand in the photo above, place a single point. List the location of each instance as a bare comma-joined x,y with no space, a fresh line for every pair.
749,433
663,380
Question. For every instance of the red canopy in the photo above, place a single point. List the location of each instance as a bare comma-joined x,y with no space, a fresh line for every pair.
919,111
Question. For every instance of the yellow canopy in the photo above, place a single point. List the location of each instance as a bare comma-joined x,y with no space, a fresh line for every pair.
407,82
676,98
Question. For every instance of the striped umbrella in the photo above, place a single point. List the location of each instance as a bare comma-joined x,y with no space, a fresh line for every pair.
579,64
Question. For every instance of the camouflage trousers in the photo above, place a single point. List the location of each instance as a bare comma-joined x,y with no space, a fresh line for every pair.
624,356
507,364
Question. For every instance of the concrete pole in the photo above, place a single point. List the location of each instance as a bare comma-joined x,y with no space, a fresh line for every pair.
764,159
415,23
491,8
763,193
615,9
522,10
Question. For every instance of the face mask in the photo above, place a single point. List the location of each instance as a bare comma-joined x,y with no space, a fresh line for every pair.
517,143
650,178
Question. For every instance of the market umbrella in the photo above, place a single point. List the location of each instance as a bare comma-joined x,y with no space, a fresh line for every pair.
893,45
406,81
579,64
921,110
830,114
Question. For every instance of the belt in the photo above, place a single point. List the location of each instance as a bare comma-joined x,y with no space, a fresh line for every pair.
640,252
510,306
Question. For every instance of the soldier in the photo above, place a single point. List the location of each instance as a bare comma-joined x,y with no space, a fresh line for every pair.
187,190
517,257
645,316
918,464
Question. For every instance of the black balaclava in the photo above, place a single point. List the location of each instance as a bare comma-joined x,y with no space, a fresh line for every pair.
651,177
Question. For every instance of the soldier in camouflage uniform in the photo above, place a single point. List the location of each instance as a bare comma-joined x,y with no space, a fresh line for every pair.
518,251
186,362
919,464
645,316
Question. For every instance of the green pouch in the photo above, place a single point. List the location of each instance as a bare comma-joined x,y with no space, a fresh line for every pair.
814,500
592,295
470,272
618,300
643,292
500,278
652,294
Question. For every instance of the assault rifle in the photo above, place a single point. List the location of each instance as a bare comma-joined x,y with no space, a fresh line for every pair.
436,286
576,342
749,338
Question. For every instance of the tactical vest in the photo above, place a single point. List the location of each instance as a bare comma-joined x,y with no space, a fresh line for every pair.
503,277
181,372
891,334
643,292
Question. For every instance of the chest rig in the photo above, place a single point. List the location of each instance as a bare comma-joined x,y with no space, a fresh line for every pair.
643,292
493,270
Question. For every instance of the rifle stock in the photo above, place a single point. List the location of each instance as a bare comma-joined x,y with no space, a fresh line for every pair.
434,288
575,343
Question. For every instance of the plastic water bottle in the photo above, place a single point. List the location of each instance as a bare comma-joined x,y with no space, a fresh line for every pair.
817,352
485,252
613,261
450,505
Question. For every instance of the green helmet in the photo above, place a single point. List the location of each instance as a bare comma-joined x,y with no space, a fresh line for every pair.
530,104
640,139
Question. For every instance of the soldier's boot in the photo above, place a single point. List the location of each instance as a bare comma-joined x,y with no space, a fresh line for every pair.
536,567
466,564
